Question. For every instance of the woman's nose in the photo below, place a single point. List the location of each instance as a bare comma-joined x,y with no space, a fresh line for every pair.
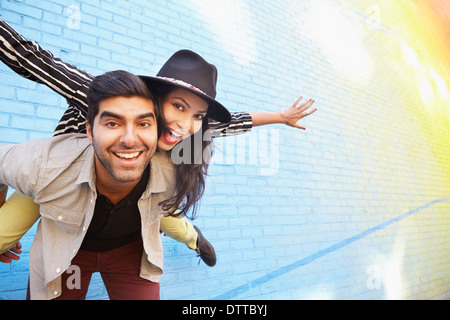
186,124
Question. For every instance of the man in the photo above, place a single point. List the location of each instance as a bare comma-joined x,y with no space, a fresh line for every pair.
77,179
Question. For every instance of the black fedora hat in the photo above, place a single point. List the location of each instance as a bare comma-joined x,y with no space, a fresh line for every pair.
188,70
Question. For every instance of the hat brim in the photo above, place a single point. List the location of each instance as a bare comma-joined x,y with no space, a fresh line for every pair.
216,110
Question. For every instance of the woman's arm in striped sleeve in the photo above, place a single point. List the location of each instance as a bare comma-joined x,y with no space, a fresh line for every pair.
29,60
242,122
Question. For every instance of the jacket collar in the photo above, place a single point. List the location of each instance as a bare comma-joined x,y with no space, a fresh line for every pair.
157,182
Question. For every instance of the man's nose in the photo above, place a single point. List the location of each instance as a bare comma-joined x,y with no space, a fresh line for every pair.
129,136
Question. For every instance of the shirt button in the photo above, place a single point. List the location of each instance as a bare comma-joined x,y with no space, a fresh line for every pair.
60,218
58,270
55,293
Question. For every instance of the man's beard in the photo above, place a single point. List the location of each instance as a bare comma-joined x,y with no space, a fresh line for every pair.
120,174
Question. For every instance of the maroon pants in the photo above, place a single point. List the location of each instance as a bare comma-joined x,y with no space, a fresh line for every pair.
119,269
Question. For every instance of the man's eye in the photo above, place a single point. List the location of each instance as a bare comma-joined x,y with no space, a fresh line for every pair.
111,124
145,124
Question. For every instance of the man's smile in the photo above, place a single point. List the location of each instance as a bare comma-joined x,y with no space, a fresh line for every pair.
127,155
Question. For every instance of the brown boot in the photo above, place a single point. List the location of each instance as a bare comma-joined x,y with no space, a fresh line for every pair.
204,249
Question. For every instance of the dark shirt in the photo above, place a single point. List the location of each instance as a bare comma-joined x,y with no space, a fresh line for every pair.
112,225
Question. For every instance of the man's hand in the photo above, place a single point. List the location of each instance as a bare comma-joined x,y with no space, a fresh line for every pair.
11,254
296,112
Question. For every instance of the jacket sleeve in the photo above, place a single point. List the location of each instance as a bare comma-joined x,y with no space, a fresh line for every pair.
19,166
19,169
18,213
241,122
30,61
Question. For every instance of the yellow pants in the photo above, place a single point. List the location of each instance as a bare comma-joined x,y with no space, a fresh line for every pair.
19,213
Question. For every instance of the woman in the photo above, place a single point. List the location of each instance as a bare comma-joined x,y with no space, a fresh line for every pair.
186,89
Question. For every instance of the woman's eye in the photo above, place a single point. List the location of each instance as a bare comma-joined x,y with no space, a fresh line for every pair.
199,116
178,106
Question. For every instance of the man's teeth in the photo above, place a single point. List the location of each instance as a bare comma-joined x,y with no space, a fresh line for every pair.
127,155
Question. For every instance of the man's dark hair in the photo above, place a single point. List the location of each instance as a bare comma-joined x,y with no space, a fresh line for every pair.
117,84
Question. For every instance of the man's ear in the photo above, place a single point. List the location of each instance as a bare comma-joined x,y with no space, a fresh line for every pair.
89,131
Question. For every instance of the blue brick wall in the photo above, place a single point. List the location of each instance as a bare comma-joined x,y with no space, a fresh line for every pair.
355,207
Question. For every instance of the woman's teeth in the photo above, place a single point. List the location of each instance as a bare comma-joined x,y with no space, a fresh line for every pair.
175,135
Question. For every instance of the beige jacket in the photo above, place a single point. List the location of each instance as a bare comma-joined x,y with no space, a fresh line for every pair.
59,173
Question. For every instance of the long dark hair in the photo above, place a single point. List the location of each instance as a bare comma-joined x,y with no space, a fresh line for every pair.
190,174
